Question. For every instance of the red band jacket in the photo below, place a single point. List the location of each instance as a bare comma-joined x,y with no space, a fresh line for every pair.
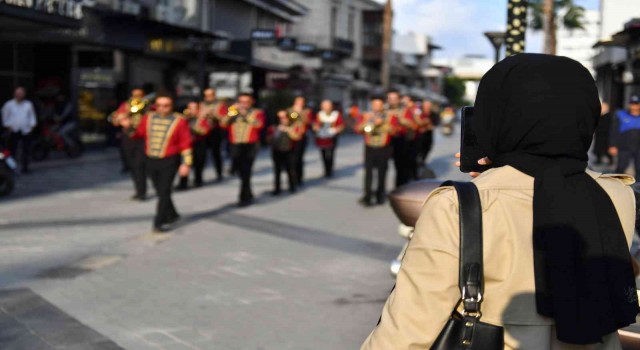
165,136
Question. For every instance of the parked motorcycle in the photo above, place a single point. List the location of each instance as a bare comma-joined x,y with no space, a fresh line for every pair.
52,139
406,202
8,168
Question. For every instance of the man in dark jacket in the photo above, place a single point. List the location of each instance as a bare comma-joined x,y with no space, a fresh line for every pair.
625,136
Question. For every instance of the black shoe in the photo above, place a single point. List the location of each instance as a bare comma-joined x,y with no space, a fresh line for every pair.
365,202
180,188
381,201
160,230
173,220
138,198
245,203
198,184
275,193
293,190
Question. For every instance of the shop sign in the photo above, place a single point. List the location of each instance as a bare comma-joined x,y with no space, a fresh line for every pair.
306,48
287,43
164,45
263,35
97,78
64,8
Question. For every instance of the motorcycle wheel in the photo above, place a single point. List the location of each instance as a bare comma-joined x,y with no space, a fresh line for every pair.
6,183
40,150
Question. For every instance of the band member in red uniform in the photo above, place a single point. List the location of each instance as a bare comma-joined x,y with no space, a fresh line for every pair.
244,123
167,141
378,128
300,114
133,149
408,120
427,122
283,138
200,127
214,110
398,142
327,125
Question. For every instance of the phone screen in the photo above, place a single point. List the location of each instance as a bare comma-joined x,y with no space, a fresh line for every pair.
470,151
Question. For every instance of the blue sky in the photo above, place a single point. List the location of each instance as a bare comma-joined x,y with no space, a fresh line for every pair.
457,25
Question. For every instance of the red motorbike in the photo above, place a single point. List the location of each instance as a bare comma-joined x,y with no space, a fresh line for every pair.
52,139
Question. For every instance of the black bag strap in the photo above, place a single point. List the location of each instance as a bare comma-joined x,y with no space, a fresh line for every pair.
471,276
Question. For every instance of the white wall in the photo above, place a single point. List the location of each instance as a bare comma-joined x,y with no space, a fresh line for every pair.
615,13
577,44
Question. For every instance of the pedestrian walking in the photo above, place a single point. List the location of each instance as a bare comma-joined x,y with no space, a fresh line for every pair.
200,127
625,136
601,144
214,110
283,138
130,113
299,113
327,125
378,127
244,123
19,118
556,273
167,141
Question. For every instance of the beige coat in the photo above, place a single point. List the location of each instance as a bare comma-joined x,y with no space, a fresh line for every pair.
427,285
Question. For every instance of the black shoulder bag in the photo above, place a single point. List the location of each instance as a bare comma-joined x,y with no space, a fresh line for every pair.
465,331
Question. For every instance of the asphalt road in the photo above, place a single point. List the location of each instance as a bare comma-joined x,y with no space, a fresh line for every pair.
303,271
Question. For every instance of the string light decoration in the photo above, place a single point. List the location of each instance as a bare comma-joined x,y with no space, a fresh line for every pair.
516,26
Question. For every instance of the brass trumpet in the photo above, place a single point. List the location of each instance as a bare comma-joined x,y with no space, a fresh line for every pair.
233,111
137,105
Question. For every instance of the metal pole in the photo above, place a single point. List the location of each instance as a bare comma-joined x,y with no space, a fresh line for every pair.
385,73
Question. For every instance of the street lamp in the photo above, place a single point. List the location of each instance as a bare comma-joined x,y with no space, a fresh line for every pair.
496,39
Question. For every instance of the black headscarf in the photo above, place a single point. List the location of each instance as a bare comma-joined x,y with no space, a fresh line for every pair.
538,114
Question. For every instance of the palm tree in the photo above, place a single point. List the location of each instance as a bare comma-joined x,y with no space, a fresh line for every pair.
544,13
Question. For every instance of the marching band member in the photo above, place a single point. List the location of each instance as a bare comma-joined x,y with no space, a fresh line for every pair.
327,125
283,139
427,122
300,114
378,128
200,127
244,124
167,141
214,110
133,149
398,142
408,120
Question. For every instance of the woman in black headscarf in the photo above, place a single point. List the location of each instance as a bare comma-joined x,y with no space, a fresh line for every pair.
556,237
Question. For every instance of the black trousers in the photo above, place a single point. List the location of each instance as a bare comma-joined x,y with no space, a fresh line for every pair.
284,161
243,156
376,159
425,144
411,159
199,160
400,160
214,141
16,138
328,155
301,148
134,156
162,172
625,156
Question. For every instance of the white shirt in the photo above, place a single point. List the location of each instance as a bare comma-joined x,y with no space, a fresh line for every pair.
19,116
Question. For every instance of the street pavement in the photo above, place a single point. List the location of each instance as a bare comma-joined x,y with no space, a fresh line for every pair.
302,271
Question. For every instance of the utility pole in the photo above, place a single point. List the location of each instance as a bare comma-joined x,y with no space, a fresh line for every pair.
387,32
516,26
549,27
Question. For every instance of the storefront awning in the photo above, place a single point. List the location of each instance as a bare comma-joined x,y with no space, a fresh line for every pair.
18,18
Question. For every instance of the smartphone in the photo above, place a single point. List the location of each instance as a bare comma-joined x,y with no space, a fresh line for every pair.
470,151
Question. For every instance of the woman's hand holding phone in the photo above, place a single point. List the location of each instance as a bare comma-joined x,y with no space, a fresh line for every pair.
482,161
